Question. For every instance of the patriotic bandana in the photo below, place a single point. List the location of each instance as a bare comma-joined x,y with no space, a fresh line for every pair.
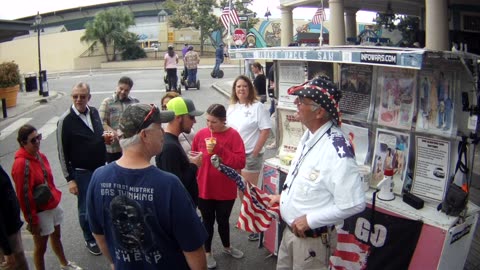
323,92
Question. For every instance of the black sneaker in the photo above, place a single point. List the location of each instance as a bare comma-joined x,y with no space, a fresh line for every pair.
253,237
93,248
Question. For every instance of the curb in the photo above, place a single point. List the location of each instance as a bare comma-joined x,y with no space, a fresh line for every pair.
220,90
20,109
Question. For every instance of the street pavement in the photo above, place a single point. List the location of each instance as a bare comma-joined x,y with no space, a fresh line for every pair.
149,88
43,112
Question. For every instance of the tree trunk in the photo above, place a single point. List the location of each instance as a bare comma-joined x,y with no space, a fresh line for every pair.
106,51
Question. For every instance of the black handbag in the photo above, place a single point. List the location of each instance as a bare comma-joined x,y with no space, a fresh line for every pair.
41,193
456,198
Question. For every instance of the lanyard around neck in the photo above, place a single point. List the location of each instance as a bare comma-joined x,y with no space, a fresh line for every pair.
301,159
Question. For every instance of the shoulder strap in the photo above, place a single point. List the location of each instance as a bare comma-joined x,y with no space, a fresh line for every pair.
26,187
45,175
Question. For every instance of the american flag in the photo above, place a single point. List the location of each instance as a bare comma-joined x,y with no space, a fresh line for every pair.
255,213
350,252
319,16
229,16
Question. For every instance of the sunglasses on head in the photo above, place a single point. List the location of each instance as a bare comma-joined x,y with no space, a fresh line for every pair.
148,118
36,139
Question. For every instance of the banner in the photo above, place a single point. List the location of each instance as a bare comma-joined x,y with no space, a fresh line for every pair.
389,245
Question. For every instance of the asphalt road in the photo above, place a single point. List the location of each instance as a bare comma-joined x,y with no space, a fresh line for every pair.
149,88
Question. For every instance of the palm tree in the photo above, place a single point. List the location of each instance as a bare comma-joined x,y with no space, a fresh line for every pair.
107,28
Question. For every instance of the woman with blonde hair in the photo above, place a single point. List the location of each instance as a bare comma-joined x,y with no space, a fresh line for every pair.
252,120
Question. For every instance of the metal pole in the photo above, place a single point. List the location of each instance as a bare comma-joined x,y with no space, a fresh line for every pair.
40,79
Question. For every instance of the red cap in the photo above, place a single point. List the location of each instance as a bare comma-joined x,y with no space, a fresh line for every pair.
388,172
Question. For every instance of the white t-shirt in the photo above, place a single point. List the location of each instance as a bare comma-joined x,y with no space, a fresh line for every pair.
249,121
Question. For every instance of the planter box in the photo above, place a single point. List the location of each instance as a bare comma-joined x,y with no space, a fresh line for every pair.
10,94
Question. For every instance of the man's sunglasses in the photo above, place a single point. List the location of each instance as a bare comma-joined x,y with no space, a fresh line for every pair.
36,139
149,117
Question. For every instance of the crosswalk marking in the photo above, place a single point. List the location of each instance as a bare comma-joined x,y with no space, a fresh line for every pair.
13,127
49,127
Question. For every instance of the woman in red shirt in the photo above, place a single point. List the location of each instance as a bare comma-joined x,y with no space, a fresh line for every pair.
217,192
30,169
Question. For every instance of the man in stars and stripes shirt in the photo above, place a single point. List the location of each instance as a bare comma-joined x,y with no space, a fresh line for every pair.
323,185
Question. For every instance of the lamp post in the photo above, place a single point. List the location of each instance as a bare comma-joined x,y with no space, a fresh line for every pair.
38,21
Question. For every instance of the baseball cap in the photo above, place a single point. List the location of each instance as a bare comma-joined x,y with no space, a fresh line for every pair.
139,116
181,106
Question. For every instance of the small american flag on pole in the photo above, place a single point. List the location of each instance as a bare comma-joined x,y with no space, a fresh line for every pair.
319,16
229,16
255,213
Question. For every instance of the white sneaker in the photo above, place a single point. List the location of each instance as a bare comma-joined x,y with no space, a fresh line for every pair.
237,254
211,263
71,266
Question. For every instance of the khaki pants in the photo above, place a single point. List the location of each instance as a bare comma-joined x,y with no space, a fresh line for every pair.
294,252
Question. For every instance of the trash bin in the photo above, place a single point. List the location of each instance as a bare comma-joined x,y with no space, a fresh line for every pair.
30,82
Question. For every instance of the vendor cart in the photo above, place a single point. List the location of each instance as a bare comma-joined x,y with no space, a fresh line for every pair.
406,108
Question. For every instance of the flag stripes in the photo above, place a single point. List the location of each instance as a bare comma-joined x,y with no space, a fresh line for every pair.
319,16
255,212
229,16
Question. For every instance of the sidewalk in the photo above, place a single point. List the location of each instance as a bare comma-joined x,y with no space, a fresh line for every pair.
26,101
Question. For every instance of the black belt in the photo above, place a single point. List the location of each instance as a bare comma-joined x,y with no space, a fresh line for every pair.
317,232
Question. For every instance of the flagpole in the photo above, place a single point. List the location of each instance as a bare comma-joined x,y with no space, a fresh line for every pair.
321,28
229,37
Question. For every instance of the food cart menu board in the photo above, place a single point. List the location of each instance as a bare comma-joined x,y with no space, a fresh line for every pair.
431,168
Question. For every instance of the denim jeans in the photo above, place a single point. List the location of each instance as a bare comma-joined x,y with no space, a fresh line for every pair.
192,76
216,68
82,178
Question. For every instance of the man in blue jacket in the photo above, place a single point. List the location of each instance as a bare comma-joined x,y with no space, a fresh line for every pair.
219,56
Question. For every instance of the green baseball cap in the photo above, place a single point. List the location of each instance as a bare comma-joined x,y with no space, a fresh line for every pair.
182,106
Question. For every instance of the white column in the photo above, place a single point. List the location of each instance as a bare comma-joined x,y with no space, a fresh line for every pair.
350,22
337,23
287,26
436,25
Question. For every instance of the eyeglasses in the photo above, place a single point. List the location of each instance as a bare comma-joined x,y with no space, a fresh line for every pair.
79,96
147,120
36,139
301,100
191,117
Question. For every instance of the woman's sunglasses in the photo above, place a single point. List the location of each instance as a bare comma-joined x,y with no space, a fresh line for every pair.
36,139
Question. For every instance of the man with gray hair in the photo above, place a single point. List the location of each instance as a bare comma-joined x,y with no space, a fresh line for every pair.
141,216
81,150
323,185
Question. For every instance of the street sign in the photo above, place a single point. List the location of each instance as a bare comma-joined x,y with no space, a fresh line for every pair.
239,36
243,18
